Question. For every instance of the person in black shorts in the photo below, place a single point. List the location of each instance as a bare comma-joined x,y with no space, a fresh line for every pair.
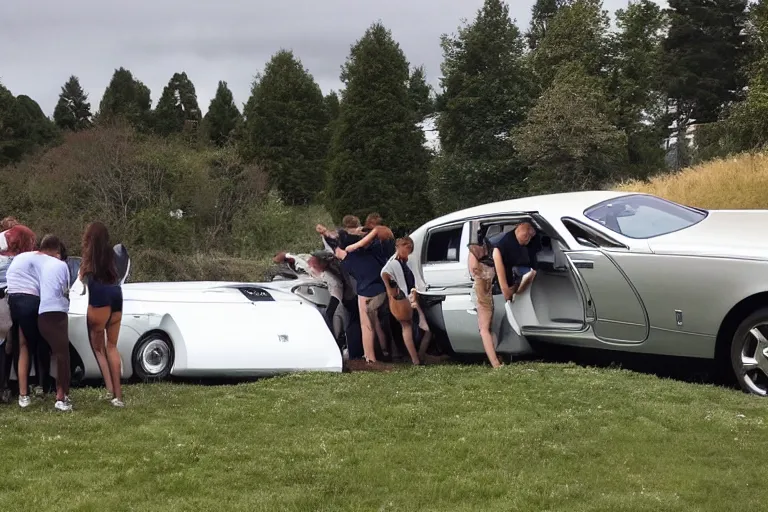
99,273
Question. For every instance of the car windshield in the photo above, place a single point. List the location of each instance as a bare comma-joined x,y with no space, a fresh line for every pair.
643,216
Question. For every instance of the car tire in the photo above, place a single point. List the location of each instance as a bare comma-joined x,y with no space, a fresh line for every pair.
749,353
153,357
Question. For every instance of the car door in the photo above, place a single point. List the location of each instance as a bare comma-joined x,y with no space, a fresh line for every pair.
614,307
445,267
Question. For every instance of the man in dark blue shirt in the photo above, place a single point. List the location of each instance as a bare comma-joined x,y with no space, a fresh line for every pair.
515,259
365,266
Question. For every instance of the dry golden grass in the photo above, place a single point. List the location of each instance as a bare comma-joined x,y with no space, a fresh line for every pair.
733,183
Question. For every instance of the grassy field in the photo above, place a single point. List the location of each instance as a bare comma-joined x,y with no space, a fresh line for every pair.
737,182
530,436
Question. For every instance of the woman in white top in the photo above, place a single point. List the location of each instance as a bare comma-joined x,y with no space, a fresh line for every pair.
24,300
53,319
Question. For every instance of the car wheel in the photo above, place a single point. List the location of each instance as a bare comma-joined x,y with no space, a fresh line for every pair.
749,353
153,357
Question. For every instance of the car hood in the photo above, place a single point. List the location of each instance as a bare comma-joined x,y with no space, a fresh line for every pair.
723,234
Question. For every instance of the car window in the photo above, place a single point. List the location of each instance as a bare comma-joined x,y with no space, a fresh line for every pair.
587,236
443,245
643,216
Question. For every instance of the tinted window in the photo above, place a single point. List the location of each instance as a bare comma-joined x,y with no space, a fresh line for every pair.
641,216
587,236
443,245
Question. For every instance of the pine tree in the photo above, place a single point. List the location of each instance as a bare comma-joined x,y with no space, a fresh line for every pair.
73,111
578,32
637,85
24,127
379,160
285,128
487,91
128,98
568,140
177,110
223,117
704,54
541,15
420,93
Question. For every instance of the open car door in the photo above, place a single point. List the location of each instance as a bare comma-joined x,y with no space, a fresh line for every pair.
449,296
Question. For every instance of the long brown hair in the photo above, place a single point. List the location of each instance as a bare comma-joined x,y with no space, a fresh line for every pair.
98,256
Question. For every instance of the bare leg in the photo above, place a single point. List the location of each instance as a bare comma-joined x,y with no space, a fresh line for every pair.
484,318
113,356
408,340
97,322
23,367
379,331
367,331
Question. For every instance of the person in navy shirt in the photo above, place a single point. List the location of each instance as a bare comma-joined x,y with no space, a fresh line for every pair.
514,259
364,266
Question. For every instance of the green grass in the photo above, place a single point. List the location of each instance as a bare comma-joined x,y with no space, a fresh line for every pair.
531,436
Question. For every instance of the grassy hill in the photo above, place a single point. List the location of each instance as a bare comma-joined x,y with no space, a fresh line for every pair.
736,182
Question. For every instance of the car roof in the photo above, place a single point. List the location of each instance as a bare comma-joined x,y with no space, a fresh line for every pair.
549,205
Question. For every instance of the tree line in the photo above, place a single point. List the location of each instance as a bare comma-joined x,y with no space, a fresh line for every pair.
569,103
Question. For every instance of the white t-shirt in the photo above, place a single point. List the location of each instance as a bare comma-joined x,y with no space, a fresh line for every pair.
23,273
54,286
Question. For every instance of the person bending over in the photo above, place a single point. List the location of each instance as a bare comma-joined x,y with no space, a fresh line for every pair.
398,278
483,272
515,264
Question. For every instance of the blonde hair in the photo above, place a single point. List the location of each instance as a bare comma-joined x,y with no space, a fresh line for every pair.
350,222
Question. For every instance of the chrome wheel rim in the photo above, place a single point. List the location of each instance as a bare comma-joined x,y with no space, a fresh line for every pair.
154,356
754,359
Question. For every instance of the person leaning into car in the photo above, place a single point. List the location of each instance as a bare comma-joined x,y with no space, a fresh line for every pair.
514,260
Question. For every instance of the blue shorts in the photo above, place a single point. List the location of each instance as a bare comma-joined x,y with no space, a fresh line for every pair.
103,295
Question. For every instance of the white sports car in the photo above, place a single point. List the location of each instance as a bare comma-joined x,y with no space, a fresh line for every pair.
211,329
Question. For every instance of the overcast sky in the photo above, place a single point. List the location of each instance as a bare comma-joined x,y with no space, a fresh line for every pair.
43,42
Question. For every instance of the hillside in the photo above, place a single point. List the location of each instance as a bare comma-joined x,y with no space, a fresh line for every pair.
736,182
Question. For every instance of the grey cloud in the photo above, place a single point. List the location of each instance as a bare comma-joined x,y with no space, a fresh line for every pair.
45,41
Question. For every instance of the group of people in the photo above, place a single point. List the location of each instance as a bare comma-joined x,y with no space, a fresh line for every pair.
367,273
34,304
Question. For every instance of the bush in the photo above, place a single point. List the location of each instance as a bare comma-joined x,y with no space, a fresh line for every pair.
150,265
270,226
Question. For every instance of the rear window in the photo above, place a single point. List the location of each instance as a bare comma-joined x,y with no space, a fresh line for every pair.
644,216
443,245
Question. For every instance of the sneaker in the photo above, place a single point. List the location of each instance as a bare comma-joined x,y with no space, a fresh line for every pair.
24,400
117,403
63,405
6,396
38,391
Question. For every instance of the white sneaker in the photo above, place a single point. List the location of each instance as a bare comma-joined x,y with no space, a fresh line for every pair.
63,405
117,403
24,400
